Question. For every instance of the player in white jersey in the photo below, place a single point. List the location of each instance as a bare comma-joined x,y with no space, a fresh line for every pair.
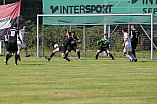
24,45
127,46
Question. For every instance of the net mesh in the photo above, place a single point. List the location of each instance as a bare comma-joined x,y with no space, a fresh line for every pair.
96,20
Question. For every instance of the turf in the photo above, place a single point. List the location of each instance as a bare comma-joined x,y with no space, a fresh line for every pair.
86,81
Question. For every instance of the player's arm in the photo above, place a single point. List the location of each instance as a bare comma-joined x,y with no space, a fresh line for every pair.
22,32
125,41
77,40
131,36
68,33
99,41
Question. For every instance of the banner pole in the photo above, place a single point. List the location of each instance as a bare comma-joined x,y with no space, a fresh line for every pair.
3,2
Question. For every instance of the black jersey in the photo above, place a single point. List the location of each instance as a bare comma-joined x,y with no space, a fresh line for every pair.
135,34
13,33
73,43
67,41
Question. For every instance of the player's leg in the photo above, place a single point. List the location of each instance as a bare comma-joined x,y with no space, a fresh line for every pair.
24,45
19,46
127,55
67,52
134,58
7,57
108,52
98,51
63,55
15,49
78,52
16,57
52,54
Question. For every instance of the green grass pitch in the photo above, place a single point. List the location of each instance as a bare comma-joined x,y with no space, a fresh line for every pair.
88,81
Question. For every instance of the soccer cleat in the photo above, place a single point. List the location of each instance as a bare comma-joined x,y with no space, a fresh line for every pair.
16,64
135,60
113,59
47,58
131,60
6,64
79,59
28,56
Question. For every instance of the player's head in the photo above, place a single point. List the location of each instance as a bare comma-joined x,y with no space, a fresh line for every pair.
6,32
124,30
106,35
132,27
14,24
24,27
73,33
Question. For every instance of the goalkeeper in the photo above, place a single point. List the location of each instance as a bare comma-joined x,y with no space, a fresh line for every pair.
104,46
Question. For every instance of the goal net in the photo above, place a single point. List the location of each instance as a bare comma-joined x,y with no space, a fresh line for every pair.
90,28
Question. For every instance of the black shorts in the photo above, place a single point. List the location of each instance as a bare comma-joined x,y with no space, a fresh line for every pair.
63,49
12,46
103,49
6,44
134,44
72,48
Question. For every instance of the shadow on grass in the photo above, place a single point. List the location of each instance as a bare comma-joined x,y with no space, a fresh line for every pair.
32,64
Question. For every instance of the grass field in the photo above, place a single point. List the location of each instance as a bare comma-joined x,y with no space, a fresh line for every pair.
88,81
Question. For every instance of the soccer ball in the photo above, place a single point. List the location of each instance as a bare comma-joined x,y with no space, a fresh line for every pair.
56,45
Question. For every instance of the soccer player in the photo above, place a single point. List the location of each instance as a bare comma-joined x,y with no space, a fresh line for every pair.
105,42
127,46
134,39
73,45
62,48
24,45
12,42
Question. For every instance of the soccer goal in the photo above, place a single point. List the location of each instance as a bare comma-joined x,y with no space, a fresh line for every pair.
60,22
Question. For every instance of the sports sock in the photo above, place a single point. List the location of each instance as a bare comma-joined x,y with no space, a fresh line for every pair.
78,54
128,56
133,52
52,55
66,55
26,52
66,58
111,56
133,56
96,57
19,57
7,58
16,57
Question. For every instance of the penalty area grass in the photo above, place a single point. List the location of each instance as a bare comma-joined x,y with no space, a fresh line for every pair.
102,81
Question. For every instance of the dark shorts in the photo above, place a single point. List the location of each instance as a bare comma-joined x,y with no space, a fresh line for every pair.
72,48
12,46
6,44
103,49
134,44
63,49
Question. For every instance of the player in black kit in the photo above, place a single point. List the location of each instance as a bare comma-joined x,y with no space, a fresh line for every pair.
62,48
73,45
12,42
134,39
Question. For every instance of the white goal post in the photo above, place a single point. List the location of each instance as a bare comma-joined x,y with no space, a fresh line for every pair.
85,15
